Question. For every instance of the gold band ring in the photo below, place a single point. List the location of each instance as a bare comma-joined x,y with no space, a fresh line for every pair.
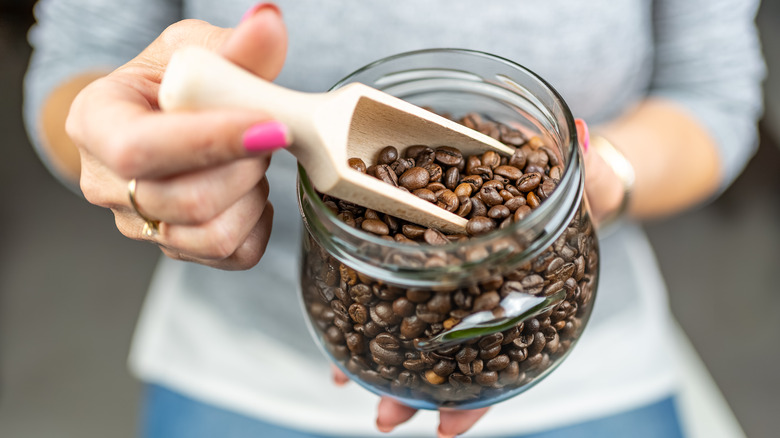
151,227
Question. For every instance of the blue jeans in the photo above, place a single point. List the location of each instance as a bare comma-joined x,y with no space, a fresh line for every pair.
168,414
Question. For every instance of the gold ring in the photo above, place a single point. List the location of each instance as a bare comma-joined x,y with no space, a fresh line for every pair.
151,227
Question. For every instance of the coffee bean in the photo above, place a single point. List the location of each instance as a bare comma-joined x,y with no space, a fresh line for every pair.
401,165
413,151
490,159
387,175
486,301
451,178
499,212
426,195
487,378
529,182
448,156
357,164
433,378
435,237
498,363
480,225
358,313
532,200
387,155
414,178
448,200
402,306
509,172
375,226
471,368
444,367
412,327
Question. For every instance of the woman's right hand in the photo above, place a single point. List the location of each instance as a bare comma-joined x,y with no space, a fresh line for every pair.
201,173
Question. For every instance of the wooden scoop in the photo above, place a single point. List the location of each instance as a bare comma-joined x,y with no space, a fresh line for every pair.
329,128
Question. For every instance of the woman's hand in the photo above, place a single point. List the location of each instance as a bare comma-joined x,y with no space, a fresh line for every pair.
202,174
391,413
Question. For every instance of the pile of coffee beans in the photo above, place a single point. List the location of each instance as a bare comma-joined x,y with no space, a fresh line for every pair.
371,327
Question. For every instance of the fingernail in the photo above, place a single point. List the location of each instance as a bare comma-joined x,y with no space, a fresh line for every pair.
258,7
266,136
583,134
384,428
443,435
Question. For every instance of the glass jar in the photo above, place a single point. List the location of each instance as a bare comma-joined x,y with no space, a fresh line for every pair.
474,321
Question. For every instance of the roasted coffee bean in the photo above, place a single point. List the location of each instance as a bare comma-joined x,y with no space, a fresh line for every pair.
387,175
498,363
357,164
448,200
361,293
532,200
529,182
487,378
402,306
334,335
434,171
499,212
435,237
513,204
510,172
385,351
466,355
413,151
426,195
355,342
489,352
480,225
387,155
358,313
444,367
464,189
375,226
401,165
478,208
489,195
490,159
448,156
412,327
475,181
465,206
452,178
418,295
413,231
382,313
521,212
414,178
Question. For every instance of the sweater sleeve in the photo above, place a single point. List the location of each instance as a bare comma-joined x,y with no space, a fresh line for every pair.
71,37
708,60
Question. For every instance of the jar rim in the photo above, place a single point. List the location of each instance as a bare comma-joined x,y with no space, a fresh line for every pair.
570,172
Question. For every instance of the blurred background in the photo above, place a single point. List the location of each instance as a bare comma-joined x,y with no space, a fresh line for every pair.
64,333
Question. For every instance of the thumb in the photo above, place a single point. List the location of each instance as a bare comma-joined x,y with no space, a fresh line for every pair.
259,42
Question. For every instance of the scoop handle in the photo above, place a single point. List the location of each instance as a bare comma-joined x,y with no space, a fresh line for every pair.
196,78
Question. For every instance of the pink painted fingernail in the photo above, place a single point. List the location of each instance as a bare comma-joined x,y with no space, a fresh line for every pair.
266,136
583,134
258,7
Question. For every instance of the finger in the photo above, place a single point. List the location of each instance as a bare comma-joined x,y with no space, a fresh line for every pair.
602,186
197,197
115,123
259,42
215,240
455,422
246,256
391,413
339,378
220,237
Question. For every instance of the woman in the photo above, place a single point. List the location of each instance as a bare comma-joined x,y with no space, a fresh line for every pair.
673,86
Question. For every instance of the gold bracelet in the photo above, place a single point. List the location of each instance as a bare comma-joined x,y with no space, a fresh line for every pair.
622,168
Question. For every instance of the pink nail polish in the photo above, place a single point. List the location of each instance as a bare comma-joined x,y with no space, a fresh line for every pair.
266,136
583,134
258,7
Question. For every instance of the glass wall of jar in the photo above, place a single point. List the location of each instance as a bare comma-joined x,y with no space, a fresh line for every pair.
472,321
